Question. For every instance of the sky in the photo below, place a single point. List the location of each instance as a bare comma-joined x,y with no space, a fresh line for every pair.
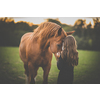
66,20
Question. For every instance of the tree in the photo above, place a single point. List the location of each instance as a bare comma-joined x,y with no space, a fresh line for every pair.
54,21
80,23
80,27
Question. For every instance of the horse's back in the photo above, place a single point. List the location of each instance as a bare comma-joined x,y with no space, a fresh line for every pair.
26,36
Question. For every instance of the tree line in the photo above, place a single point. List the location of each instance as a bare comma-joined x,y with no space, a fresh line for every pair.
11,32
87,37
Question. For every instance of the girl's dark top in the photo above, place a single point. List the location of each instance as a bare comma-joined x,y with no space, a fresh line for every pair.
66,72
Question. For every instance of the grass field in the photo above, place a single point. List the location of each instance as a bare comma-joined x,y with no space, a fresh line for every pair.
12,70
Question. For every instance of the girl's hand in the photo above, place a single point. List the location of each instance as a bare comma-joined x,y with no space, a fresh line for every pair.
58,54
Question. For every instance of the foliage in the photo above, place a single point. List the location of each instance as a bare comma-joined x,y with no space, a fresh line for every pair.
86,36
55,21
64,26
11,32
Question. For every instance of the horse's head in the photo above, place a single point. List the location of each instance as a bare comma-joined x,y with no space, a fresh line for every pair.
56,41
51,35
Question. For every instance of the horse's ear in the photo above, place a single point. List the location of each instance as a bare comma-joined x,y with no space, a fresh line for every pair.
59,32
69,33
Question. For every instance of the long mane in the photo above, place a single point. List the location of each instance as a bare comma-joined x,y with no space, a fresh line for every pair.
45,31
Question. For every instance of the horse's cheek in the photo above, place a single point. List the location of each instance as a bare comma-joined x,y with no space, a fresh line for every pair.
53,48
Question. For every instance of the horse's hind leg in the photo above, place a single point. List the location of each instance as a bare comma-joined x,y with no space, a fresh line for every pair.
46,73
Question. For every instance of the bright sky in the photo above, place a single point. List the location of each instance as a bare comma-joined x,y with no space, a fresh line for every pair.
66,20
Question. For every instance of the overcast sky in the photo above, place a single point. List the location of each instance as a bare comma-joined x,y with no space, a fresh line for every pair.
66,20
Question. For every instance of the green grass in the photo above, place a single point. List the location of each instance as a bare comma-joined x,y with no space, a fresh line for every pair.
12,70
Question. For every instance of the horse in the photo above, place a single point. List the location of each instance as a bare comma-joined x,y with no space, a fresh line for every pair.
36,48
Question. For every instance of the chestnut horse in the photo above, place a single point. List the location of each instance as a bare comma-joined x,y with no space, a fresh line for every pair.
36,49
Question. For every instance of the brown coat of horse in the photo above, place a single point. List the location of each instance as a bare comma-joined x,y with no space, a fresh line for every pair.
36,49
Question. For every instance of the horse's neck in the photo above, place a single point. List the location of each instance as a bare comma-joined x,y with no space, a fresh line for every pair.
44,43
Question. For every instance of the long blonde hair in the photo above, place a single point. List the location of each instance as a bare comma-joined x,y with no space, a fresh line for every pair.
70,53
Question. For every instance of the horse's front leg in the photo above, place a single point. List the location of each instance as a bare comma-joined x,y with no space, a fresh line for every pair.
32,73
46,70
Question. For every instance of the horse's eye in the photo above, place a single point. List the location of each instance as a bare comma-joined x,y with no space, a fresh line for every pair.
59,45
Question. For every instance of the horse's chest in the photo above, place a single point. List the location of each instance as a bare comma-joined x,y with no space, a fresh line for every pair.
43,61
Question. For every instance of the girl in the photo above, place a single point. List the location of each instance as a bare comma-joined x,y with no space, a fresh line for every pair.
66,60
